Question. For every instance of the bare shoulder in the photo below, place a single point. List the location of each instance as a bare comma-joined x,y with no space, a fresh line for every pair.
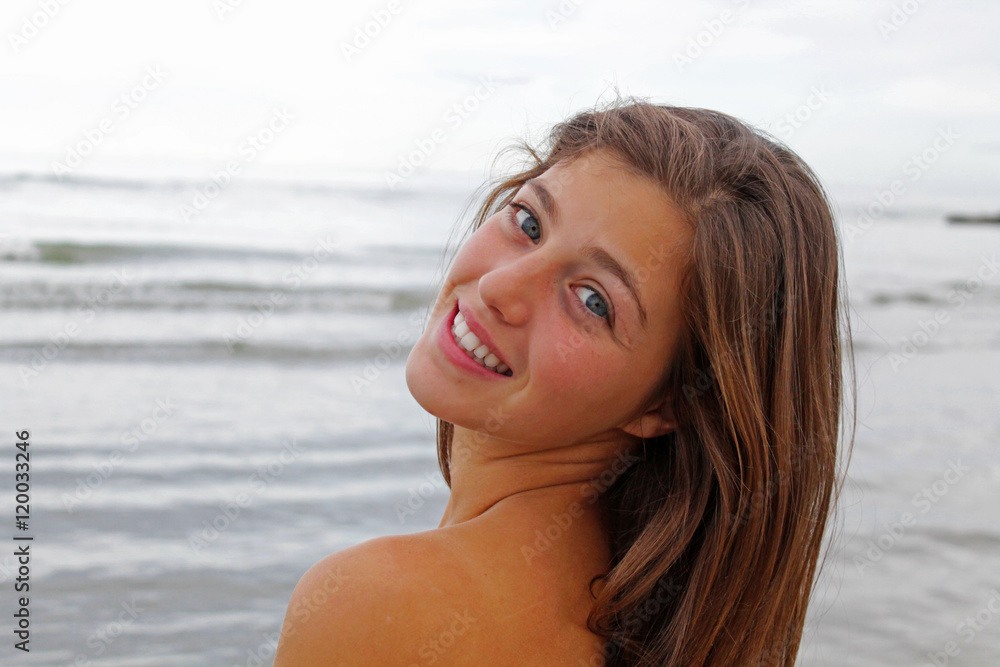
373,603
445,597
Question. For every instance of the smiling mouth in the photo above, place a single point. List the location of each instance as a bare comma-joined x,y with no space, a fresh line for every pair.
475,349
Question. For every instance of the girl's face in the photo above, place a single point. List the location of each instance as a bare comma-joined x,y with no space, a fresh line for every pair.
575,287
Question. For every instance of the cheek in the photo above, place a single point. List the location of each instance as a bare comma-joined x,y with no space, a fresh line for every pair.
475,255
579,391
593,374
576,362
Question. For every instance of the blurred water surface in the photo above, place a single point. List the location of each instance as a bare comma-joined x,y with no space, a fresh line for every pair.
200,436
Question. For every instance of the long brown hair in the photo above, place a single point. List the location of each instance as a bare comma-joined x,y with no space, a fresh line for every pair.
717,532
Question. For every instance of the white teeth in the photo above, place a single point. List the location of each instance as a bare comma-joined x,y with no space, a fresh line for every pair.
469,341
478,351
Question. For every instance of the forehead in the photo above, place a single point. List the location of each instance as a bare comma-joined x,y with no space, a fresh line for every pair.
596,193
600,184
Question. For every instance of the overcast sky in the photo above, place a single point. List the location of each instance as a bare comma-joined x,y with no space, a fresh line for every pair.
857,87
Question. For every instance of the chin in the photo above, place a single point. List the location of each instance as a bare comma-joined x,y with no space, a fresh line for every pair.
422,380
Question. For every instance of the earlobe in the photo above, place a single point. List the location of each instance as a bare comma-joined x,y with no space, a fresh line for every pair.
654,423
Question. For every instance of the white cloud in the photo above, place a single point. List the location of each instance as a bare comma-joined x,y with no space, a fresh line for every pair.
954,95
941,67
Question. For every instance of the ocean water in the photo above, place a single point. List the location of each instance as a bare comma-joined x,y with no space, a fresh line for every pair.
218,401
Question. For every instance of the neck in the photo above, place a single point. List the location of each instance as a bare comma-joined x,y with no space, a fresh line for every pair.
487,473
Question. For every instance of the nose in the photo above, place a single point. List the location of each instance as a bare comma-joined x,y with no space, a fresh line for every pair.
513,288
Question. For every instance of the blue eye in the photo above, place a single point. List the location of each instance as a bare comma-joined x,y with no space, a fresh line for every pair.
595,303
528,224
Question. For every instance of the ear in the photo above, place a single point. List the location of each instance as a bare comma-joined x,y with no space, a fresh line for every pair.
656,422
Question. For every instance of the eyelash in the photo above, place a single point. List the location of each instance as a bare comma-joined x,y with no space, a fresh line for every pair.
512,219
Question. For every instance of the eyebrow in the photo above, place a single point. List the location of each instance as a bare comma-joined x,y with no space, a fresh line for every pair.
600,256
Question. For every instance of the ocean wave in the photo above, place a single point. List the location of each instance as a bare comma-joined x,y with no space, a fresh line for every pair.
371,189
77,252
217,294
201,351
951,294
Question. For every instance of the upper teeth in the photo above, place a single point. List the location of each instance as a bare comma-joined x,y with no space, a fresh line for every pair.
470,343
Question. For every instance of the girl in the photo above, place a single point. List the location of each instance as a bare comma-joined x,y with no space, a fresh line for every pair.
635,362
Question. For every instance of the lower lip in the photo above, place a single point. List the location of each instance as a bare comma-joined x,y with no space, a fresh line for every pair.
456,354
